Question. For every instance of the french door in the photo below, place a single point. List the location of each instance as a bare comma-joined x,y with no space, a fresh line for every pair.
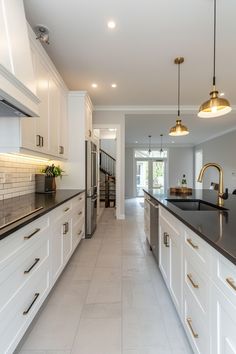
150,174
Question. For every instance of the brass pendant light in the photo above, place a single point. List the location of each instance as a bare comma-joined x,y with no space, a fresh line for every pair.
179,129
149,144
215,106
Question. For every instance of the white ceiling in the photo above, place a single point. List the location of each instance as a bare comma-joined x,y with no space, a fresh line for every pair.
138,55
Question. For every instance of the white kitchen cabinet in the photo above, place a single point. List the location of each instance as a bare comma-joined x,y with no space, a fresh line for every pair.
170,259
63,125
31,260
88,119
223,324
54,116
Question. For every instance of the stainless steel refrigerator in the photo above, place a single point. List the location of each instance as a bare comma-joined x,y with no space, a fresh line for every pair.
91,188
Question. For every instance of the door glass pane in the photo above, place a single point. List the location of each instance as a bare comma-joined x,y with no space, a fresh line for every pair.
141,177
158,174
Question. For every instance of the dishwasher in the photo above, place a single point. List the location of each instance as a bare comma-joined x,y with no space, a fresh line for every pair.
154,227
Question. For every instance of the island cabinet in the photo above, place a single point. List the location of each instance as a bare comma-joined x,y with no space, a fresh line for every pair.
202,284
31,260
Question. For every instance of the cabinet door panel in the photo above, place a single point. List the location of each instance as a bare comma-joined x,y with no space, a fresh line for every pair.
54,116
42,126
224,324
164,255
176,269
63,126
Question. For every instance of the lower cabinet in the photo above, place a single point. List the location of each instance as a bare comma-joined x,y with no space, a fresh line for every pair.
202,284
170,258
31,260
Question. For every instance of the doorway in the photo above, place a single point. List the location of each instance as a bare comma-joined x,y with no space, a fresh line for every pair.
198,166
150,174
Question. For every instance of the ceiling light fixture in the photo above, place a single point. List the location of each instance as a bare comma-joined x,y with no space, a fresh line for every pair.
179,129
113,85
215,106
42,33
149,144
94,85
111,24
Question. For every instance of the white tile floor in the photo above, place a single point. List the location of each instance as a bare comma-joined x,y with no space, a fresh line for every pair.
111,298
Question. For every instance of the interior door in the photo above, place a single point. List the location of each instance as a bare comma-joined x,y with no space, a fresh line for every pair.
142,176
157,170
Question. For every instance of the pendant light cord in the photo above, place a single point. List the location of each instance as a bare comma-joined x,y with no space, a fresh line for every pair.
178,89
214,49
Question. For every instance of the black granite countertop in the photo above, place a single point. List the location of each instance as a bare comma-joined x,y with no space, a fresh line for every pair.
15,208
217,227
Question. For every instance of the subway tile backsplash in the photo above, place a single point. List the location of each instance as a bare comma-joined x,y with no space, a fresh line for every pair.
17,175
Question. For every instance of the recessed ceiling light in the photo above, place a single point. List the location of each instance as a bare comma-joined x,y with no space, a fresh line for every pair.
112,129
111,24
222,94
113,85
172,142
94,85
136,142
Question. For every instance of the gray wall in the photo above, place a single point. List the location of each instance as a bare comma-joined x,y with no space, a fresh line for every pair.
221,150
109,145
180,161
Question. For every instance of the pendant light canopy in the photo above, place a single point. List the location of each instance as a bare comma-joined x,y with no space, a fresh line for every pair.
149,144
161,149
179,129
215,106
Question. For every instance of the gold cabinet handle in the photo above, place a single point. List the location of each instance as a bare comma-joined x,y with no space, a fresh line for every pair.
32,266
189,321
192,244
80,213
66,209
231,282
166,239
196,286
32,234
80,232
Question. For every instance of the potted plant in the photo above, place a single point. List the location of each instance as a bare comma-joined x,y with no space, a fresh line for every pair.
46,181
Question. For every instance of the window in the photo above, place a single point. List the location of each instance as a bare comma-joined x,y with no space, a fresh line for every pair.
154,154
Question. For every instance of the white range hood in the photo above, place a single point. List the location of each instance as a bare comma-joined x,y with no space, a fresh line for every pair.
17,83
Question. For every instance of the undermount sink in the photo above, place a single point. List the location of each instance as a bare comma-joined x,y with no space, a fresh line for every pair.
194,205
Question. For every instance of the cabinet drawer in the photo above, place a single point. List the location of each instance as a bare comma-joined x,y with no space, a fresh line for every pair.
196,328
171,220
78,214
17,273
198,285
61,211
12,245
16,317
224,275
78,201
78,232
197,249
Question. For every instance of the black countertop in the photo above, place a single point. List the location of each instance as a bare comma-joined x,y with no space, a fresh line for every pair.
15,208
218,228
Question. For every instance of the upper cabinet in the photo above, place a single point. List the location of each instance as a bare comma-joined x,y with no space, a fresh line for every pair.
48,134
17,82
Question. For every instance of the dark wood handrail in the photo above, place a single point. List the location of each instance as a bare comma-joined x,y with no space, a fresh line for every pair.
104,152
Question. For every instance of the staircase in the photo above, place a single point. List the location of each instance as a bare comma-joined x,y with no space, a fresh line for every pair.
107,179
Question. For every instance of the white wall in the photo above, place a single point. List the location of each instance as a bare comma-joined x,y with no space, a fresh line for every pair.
109,145
180,161
112,119
222,151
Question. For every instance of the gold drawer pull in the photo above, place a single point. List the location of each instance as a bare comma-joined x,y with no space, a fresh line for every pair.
192,244
31,235
80,213
36,295
196,286
80,232
81,198
189,321
231,282
32,266
66,209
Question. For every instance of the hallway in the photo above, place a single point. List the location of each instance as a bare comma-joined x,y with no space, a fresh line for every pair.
110,299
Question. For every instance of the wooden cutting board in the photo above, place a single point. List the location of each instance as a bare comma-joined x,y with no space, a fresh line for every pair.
181,190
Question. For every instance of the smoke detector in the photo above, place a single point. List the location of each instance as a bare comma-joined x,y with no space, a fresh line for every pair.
42,33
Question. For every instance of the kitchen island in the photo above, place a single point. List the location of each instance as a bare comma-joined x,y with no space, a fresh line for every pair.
197,258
